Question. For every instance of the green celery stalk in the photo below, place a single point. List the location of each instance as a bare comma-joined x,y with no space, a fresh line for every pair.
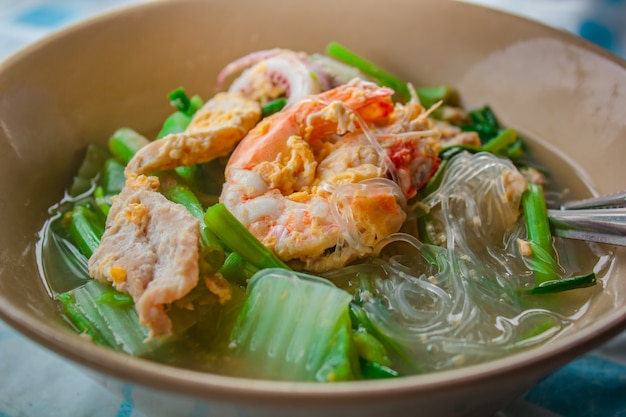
101,201
295,327
113,179
125,142
236,237
236,269
85,229
176,123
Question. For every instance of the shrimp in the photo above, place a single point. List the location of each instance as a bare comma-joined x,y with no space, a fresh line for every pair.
308,184
333,111
214,131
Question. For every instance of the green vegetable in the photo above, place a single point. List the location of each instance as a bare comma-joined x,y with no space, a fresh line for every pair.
94,159
181,101
435,182
115,298
236,237
64,266
427,95
236,269
187,173
499,143
186,107
101,201
113,179
124,144
565,284
370,348
104,314
373,370
362,323
543,259
542,327
85,229
273,106
295,327
484,123
341,53
176,123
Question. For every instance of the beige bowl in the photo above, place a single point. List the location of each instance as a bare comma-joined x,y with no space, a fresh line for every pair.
79,85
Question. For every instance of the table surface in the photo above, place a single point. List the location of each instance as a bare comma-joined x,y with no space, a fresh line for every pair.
44,384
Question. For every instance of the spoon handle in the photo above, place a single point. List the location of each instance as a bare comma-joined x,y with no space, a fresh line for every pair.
615,200
594,225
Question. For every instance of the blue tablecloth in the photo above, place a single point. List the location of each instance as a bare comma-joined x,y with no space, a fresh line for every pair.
36,382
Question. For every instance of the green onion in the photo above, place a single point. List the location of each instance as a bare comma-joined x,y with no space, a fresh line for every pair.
235,236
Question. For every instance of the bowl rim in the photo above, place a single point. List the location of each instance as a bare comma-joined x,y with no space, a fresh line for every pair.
245,390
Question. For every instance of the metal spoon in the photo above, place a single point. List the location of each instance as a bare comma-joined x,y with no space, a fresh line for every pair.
600,219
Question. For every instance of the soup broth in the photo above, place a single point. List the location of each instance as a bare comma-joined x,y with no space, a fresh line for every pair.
452,286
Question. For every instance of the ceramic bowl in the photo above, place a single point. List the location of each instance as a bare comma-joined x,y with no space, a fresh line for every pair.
76,87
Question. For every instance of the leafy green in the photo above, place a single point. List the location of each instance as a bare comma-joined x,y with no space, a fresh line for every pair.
295,327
